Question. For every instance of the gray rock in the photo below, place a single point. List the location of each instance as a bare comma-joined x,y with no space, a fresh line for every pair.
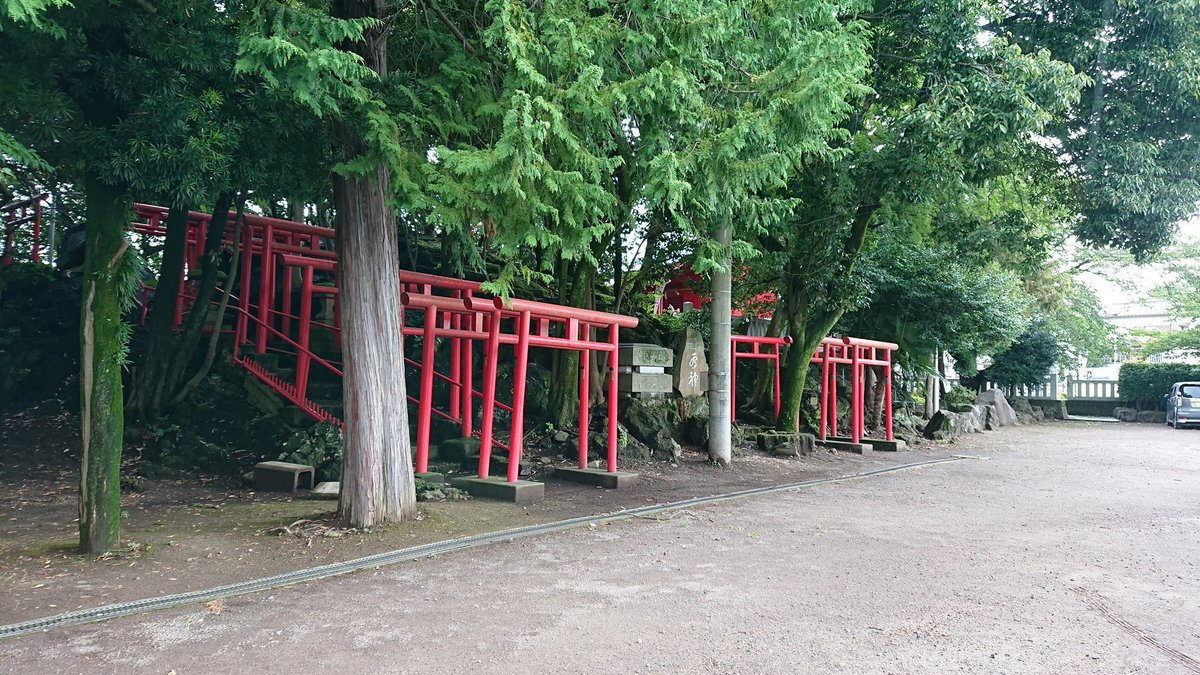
1005,415
947,425
786,444
1056,410
991,422
1039,415
1154,416
1024,410
691,366
651,421
560,437
327,490
1126,414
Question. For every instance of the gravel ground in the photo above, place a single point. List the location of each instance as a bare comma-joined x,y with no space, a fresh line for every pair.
1067,548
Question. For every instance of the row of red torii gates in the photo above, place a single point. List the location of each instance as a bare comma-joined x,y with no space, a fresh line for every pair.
287,268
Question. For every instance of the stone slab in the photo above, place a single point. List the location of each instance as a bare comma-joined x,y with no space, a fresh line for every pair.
455,449
520,492
432,477
882,445
329,489
645,383
637,354
606,479
845,445
282,476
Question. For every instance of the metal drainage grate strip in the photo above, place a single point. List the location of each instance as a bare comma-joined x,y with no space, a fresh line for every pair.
120,609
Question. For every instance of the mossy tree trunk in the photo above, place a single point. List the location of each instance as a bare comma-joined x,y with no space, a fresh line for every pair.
810,317
101,404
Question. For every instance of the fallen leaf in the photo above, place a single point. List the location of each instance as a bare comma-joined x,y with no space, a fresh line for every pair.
215,606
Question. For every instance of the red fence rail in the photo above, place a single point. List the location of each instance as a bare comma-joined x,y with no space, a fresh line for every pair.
281,259
18,213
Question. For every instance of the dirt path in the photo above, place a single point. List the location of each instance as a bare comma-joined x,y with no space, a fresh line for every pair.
191,534
1071,548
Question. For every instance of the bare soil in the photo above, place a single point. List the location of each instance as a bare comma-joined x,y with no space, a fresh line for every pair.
198,531
1065,548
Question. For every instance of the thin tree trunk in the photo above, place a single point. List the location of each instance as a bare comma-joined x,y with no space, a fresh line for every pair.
193,325
763,397
210,354
377,471
563,397
146,397
720,421
102,416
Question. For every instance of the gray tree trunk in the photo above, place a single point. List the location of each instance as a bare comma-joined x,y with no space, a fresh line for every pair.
720,386
377,472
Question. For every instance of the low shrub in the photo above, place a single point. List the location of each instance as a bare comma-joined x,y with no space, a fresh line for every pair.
1145,384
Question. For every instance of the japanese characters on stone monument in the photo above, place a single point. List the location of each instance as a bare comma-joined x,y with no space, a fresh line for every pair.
691,366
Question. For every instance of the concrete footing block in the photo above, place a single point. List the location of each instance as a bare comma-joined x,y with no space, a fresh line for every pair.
432,477
881,445
606,479
520,492
845,445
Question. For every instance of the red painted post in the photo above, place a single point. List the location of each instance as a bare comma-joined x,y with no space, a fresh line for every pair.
266,288
833,402
518,412
490,354
302,355
887,397
824,393
778,391
37,230
455,322
468,377
244,292
733,354
584,389
425,403
855,395
613,339
287,300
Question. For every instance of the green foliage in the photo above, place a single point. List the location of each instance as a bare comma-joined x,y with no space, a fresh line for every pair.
39,325
319,446
1026,362
960,399
927,298
429,492
1147,383
1128,143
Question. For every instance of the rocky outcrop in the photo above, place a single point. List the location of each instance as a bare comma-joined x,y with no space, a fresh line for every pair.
786,444
1152,416
652,422
946,425
1024,411
1126,414
1004,414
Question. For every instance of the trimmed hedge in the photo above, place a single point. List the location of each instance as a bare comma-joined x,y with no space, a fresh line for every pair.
1146,383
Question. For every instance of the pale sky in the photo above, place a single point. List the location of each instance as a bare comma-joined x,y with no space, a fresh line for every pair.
1126,290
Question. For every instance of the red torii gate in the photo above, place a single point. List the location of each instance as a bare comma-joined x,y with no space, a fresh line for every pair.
857,353
452,310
